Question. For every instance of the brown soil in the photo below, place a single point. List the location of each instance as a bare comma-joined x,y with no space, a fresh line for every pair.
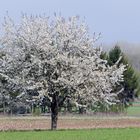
41,123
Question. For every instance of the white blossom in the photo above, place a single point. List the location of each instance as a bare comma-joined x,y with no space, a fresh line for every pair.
57,58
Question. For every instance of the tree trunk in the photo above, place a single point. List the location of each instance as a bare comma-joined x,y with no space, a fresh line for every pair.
82,110
54,118
69,106
4,108
54,113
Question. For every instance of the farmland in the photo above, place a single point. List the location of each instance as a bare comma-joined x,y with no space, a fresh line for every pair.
96,134
96,127
67,122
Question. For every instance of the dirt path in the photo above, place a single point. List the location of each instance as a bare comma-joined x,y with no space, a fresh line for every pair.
41,123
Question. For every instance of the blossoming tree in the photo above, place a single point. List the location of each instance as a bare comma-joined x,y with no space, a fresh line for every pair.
57,59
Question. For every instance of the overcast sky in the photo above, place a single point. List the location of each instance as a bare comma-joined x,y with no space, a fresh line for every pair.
117,20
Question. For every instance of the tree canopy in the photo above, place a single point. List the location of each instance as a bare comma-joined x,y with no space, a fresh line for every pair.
56,59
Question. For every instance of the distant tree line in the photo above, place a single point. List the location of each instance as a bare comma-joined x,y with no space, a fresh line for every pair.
131,83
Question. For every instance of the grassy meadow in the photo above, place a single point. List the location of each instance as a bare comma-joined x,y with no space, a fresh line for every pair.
134,110
93,134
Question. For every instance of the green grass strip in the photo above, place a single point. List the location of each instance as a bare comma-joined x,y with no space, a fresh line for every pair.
94,134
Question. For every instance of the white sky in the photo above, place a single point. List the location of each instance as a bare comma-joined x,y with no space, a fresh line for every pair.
117,20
